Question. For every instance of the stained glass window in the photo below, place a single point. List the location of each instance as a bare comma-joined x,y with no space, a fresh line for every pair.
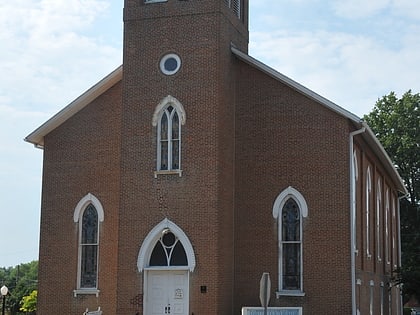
291,246
168,251
169,134
89,248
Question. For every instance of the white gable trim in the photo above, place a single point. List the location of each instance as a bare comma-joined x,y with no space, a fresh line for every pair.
37,136
295,85
151,239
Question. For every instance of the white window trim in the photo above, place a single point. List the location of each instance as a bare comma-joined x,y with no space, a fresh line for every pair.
371,293
151,239
378,220
387,219
154,1
164,59
77,216
157,115
279,203
394,220
368,201
355,178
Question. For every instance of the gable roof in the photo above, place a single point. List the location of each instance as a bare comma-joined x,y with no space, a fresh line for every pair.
367,133
37,136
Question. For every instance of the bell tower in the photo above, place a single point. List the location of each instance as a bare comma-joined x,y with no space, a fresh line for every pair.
178,140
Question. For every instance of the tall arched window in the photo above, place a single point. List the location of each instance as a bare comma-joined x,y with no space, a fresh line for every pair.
88,214
368,198
289,209
88,247
355,178
169,140
168,117
387,225
291,245
378,220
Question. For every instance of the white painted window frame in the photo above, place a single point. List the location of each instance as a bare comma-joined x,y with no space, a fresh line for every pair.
154,1
378,219
77,218
367,210
160,110
387,221
394,243
355,179
279,203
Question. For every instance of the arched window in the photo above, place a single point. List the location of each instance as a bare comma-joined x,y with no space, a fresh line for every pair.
354,179
88,247
368,201
169,140
167,246
291,244
378,220
88,214
168,117
168,251
290,208
387,227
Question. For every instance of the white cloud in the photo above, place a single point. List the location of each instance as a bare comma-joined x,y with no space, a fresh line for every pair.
407,8
356,9
47,51
351,70
50,54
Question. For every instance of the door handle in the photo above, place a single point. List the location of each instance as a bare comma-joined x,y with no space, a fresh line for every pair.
169,309
166,310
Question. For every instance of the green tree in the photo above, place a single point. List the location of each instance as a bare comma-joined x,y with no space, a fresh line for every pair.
28,302
21,281
396,123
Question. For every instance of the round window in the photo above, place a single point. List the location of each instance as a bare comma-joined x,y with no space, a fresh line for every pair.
170,64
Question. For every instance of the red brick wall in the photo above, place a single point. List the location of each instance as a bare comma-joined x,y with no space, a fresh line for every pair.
285,139
80,157
374,268
201,201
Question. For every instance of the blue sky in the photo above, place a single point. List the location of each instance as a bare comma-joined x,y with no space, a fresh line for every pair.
351,52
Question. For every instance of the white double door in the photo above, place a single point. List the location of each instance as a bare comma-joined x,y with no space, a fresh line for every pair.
167,292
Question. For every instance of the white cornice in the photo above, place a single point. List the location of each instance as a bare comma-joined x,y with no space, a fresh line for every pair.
37,136
295,85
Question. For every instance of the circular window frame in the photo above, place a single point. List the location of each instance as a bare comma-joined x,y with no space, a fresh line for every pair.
164,59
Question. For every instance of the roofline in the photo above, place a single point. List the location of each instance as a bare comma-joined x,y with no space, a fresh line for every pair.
369,136
374,144
37,136
295,85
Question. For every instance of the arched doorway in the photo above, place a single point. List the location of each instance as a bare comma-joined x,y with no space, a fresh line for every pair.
166,258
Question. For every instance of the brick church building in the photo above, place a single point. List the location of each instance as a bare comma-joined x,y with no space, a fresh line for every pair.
175,182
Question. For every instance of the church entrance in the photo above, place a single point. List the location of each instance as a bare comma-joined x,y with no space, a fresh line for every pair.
166,257
167,292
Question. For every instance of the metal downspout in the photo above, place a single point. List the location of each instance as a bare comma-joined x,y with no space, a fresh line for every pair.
353,219
401,306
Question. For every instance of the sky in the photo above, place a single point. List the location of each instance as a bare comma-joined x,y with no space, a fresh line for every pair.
51,51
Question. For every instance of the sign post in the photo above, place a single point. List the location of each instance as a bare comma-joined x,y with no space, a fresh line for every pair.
265,288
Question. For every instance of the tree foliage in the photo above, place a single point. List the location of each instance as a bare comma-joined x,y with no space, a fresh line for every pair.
28,302
396,123
21,280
